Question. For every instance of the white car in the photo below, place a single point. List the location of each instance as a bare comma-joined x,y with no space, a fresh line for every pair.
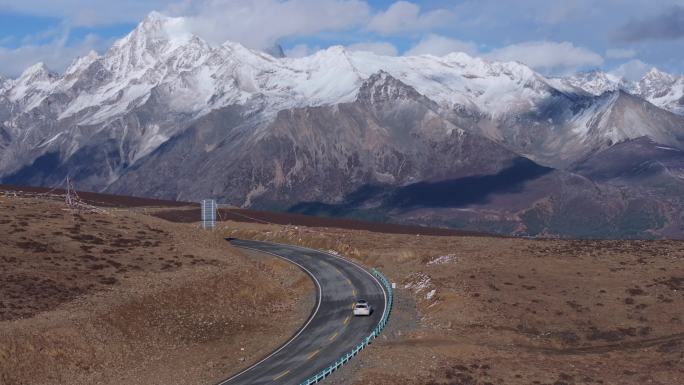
362,308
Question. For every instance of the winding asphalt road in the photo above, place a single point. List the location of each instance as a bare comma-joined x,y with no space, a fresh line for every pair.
331,330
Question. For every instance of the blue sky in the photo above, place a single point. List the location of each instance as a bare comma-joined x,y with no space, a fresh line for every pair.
554,37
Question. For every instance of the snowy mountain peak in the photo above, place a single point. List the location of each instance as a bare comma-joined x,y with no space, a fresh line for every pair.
654,84
472,67
154,17
160,25
237,48
145,54
33,83
335,52
460,57
154,35
81,63
383,87
36,72
654,74
337,49
594,82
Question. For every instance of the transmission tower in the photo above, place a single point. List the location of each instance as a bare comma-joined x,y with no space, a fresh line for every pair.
71,198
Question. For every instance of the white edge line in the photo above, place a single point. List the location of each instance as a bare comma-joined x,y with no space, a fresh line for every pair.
320,296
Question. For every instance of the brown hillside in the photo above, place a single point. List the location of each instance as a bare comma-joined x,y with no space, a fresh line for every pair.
114,296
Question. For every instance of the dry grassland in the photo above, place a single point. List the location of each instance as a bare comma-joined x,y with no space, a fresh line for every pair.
119,297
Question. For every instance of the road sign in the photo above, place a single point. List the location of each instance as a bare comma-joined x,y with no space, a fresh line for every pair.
208,214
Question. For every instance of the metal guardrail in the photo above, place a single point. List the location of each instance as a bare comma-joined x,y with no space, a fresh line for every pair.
366,341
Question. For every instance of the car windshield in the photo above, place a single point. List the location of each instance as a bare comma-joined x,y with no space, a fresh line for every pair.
361,305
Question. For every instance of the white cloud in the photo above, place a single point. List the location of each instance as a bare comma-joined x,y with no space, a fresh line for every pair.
377,47
261,23
667,25
403,16
299,50
7,40
88,13
632,70
57,55
255,23
620,53
440,45
548,56
558,12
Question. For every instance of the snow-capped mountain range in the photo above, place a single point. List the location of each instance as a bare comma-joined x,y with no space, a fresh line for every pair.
202,77
659,88
163,99
198,78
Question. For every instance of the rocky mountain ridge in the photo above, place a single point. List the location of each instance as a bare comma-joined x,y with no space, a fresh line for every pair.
659,88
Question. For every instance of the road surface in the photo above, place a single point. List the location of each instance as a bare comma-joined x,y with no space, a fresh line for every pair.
331,330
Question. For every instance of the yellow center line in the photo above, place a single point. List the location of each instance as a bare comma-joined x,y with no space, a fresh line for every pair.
332,337
346,321
349,281
313,354
353,305
354,293
281,375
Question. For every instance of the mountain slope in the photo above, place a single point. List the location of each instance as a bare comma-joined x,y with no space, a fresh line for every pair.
565,127
390,134
648,170
634,161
